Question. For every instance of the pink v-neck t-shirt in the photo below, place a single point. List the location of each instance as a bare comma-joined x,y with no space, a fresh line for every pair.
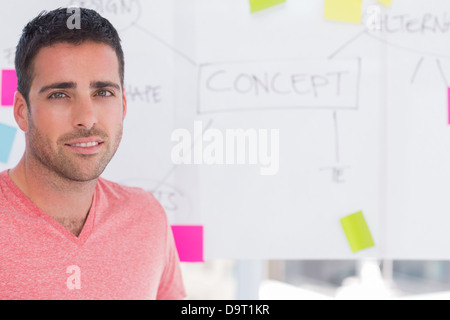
126,249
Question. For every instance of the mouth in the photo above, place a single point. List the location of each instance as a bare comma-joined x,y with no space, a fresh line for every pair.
85,146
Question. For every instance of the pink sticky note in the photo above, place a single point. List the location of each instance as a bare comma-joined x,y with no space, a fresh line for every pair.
9,86
189,242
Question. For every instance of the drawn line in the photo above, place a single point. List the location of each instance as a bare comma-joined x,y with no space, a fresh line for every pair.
251,109
347,44
426,53
166,44
416,70
438,62
169,173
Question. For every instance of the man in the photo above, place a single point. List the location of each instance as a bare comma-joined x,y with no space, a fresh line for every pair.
65,232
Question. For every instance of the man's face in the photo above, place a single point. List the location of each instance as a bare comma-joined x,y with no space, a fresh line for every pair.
77,109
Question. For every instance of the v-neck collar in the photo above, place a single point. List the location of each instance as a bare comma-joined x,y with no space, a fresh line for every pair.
31,208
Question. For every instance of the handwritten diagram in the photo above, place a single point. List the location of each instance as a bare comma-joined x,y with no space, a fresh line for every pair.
361,108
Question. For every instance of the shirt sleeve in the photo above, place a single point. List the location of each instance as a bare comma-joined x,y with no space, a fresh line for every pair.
171,286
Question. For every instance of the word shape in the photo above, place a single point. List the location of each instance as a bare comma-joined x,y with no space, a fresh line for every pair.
426,23
147,94
117,7
299,83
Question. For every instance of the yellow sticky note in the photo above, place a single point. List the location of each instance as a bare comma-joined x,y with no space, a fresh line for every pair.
343,10
258,5
357,232
387,3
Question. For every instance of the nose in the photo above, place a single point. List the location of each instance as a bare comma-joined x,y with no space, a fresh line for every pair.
84,113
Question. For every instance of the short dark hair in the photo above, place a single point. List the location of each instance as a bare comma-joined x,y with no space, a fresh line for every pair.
50,27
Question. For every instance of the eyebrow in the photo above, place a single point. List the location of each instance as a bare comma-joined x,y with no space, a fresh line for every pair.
58,85
104,84
73,85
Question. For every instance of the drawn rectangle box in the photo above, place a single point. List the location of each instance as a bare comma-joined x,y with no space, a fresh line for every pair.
283,84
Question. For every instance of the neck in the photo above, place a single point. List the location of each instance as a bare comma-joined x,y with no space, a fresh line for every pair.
59,197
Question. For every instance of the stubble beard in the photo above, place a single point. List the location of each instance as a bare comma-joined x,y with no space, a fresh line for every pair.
64,163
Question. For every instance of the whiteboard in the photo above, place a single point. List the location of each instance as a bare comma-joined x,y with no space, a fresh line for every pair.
361,113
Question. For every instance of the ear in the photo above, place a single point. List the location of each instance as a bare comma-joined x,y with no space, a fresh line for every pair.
21,111
124,104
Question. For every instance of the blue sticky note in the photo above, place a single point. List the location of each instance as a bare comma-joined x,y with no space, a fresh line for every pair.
7,136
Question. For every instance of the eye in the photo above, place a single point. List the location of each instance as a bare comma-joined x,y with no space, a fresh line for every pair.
57,95
104,93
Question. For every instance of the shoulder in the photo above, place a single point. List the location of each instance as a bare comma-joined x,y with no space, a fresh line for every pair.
8,197
116,190
120,195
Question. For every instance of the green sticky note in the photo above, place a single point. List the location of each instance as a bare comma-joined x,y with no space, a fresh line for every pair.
343,10
258,5
357,232
387,3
